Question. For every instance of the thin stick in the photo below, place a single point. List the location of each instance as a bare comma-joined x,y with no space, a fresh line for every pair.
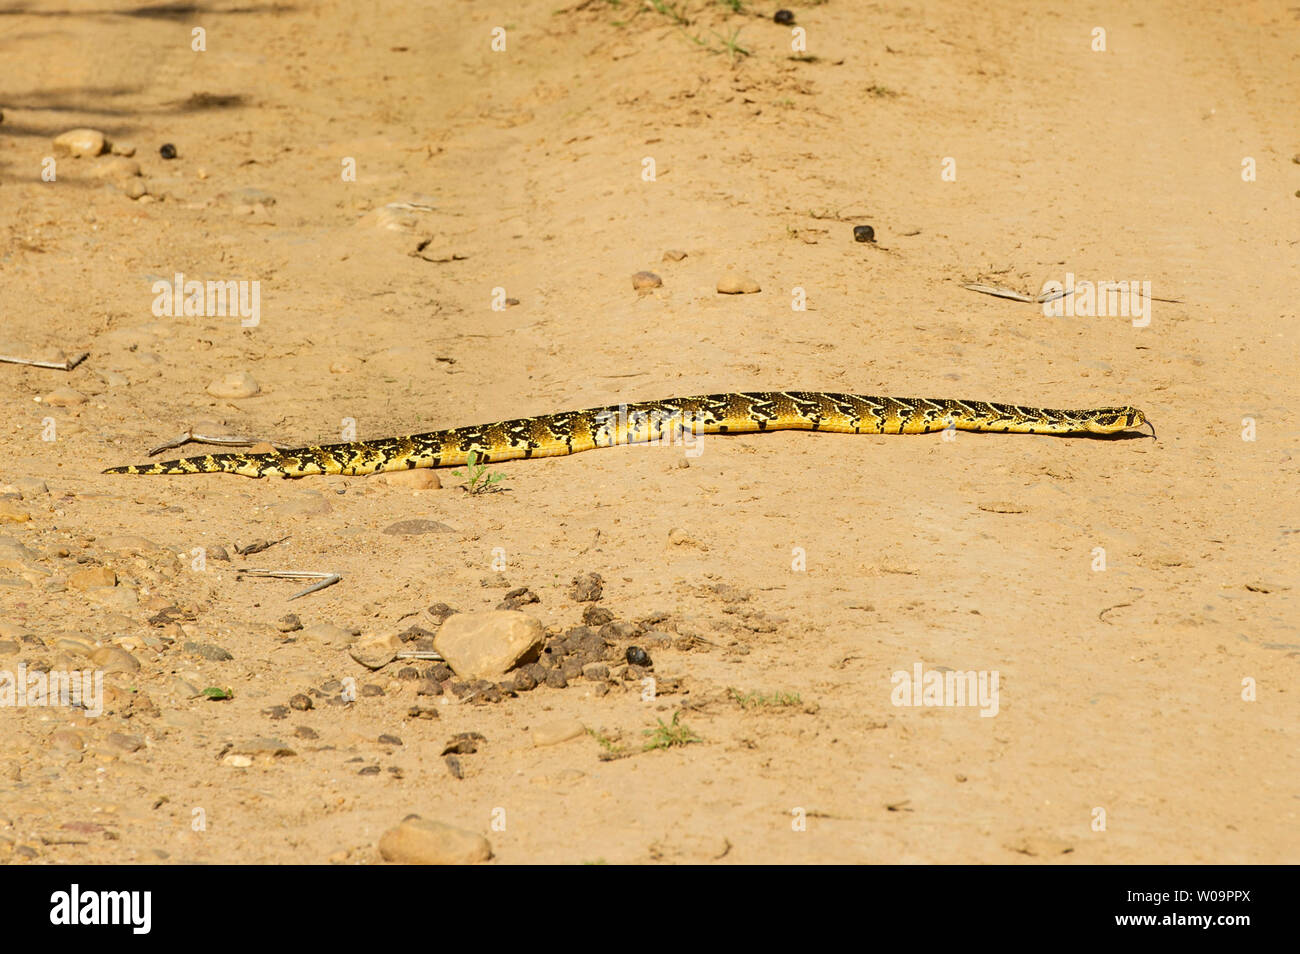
67,365
227,440
326,579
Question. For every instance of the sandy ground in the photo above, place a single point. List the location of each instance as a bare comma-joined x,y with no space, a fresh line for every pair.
1136,599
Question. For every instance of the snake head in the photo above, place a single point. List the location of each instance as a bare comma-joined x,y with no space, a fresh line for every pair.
1115,419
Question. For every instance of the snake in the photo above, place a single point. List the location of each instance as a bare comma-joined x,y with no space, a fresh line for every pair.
674,420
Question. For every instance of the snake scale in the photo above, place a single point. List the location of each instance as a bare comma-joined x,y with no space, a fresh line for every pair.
552,435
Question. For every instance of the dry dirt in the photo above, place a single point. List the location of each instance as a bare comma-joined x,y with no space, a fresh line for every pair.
1147,710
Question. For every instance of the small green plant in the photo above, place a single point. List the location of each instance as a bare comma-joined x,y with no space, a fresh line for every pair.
612,750
754,700
667,735
732,45
476,477
217,694
674,11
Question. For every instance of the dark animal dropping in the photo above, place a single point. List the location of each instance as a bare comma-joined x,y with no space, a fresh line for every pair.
864,233
637,656
168,151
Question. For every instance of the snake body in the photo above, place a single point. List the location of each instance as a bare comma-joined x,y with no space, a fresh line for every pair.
674,420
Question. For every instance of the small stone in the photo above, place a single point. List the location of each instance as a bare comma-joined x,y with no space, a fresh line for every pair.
92,577
440,612
127,743
734,283
135,189
520,596
269,747
167,151
301,702
587,588
421,478
596,616
674,255
289,623
123,149
680,538
428,687
555,679
408,528
10,512
388,739
116,168
488,644
596,671
644,281
64,397
621,629
636,656
236,384
80,142
864,233
219,553
114,659
524,681
67,740
237,761
559,730
376,651
208,651
327,634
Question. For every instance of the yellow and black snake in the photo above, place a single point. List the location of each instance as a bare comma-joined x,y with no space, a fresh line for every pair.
552,435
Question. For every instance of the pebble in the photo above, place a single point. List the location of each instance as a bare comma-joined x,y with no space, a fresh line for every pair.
92,577
422,478
10,512
268,747
680,538
127,743
64,397
587,588
301,702
864,233
116,168
68,740
674,255
488,644
114,659
135,189
236,384
327,634
644,281
734,283
123,149
440,612
409,528
376,651
289,623
555,679
596,616
80,142
596,671
556,731
208,651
